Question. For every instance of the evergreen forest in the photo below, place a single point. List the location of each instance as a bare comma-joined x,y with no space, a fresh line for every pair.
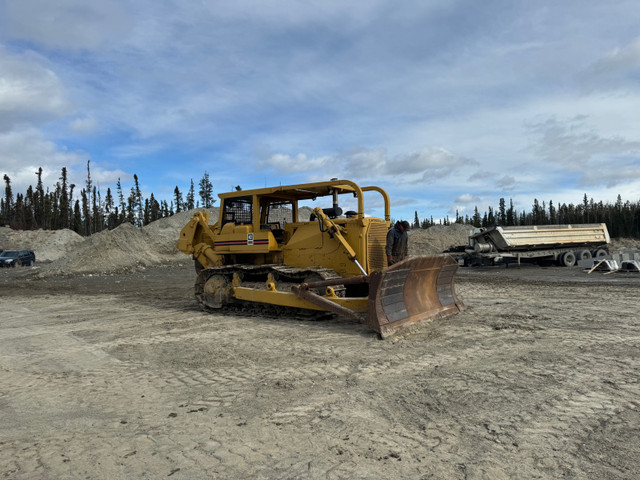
85,210
622,217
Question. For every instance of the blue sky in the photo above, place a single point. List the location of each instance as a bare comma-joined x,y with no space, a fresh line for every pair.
445,104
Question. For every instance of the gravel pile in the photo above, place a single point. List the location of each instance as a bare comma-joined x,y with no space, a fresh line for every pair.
438,239
125,248
63,252
48,245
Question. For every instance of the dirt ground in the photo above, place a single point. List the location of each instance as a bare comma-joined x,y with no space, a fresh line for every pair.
120,375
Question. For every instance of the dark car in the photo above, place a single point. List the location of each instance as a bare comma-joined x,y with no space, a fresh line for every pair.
13,258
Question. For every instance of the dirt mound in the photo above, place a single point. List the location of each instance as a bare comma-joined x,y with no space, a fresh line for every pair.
304,213
48,245
438,238
161,236
126,247
619,244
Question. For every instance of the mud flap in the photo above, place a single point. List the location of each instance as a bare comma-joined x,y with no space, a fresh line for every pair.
414,290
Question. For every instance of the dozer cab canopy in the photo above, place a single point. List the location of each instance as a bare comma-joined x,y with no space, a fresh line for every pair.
266,252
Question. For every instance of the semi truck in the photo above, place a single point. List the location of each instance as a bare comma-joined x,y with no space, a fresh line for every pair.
562,244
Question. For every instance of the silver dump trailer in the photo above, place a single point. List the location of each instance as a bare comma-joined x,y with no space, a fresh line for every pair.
563,244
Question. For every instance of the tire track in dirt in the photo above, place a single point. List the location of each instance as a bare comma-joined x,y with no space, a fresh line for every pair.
183,393
559,422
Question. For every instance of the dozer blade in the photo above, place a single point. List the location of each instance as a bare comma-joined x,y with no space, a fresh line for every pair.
417,289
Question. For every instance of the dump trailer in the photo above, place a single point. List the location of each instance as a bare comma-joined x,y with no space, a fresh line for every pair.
261,257
562,244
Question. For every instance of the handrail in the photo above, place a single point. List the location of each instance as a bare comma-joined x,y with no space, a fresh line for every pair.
385,196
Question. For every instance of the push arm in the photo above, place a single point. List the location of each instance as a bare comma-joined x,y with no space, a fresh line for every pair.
334,232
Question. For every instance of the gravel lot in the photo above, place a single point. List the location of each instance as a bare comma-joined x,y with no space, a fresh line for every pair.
119,375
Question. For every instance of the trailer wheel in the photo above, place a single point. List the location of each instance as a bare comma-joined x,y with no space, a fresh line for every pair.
599,253
568,259
583,254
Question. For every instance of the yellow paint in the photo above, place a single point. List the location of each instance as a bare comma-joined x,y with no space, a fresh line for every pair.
286,299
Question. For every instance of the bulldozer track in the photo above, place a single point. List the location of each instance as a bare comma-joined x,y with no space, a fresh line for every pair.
255,276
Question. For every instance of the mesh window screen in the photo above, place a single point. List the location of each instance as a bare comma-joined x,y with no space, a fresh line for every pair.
238,210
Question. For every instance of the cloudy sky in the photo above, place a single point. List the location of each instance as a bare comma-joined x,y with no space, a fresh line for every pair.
447,104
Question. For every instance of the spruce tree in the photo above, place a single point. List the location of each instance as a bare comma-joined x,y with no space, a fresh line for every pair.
502,212
7,205
76,224
131,207
511,214
123,206
206,191
29,209
39,200
477,220
154,209
86,216
87,194
190,197
552,213
147,212
109,209
139,213
65,210
177,195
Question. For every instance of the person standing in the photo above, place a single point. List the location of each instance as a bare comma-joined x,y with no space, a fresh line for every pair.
397,247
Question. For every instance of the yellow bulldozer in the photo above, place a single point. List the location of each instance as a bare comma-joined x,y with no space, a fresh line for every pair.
263,257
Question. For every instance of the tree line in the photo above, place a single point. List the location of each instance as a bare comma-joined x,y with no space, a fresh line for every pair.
622,218
87,211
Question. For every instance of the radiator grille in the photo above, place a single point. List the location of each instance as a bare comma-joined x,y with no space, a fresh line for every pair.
377,240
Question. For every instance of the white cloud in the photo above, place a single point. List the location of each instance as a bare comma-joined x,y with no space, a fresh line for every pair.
467,198
65,23
300,163
83,125
610,174
581,150
28,91
28,146
103,176
507,182
424,166
465,204
283,14
620,59
23,151
440,163
127,151
409,97
363,163
402,202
